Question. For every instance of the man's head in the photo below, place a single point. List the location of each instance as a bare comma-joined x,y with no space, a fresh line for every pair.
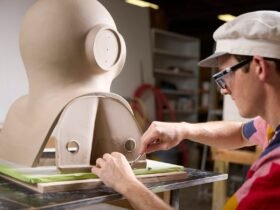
247,54
70,42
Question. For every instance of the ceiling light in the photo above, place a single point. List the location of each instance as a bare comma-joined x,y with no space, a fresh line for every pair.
226,17
141,3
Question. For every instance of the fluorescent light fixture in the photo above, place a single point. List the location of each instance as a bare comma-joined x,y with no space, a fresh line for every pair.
226,17
141,3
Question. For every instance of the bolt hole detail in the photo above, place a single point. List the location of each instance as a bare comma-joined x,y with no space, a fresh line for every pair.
72,147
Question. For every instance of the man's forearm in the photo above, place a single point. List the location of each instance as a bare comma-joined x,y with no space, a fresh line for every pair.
220,134
141,198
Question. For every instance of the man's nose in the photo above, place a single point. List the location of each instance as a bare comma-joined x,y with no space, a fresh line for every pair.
225,91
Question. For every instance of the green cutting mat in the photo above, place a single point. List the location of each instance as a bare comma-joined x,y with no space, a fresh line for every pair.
51,174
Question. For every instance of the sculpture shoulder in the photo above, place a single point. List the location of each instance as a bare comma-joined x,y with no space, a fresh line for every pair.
16,112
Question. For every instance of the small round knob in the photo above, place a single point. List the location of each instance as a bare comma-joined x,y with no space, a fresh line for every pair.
72,146
130,145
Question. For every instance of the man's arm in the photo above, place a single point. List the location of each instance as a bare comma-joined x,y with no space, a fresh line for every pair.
222,134
141,198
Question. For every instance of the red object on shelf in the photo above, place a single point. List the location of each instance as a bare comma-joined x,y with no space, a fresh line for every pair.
161,101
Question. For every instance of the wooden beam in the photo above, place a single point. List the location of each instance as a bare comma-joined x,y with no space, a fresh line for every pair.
235,156
219,196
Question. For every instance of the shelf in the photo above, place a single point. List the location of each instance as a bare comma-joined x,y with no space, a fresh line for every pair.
174,73
172,35
180,112
178,92
173,54
201,110
201,91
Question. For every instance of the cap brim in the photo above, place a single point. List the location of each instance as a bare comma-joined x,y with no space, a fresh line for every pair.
211,61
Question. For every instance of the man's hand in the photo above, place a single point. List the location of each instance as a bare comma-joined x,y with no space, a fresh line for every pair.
115,171
161,136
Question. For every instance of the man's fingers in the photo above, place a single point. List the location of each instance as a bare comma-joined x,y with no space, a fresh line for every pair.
156,147
95,170
117,155
107,156
148,138
100,162
152,148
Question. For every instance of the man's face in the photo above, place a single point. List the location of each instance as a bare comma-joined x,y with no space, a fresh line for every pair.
239,85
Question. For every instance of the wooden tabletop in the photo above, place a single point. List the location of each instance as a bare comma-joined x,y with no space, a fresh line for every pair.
13,196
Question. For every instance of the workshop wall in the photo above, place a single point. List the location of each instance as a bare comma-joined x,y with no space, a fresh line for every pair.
13,80
132,22
134,25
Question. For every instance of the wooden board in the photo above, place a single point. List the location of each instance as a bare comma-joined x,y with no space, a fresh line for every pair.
235,156
94,183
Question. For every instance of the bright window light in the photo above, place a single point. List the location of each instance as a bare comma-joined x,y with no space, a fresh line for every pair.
141,3
226,17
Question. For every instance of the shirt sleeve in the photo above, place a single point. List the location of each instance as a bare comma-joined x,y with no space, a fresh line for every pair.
256,131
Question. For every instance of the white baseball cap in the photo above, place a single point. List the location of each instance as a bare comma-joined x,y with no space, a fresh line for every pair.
253,33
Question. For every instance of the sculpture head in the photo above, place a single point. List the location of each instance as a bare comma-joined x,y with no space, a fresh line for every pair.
70,42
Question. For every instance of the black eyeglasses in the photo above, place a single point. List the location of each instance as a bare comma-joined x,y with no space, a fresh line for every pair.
220,76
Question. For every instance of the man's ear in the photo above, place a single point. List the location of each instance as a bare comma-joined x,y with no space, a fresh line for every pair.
261,67
105,48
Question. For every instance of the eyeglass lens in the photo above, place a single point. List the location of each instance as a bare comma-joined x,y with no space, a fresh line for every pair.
221,83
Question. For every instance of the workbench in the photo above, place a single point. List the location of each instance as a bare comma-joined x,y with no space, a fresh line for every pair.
13,196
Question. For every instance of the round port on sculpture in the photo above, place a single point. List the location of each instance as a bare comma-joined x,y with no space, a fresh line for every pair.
72,146
130,145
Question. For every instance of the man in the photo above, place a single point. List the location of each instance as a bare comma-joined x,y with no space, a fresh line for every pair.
248,57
